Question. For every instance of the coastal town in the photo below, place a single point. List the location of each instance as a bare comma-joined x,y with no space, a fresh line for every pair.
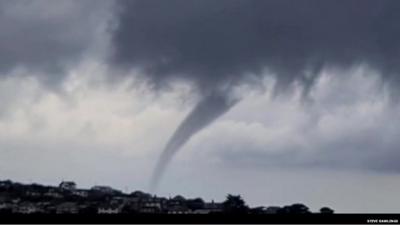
67,198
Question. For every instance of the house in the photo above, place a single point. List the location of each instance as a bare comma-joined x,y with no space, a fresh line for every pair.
176,201
133,204
272,210
201,211
87,208
109,209
16,200
120,200
257,210
104,189
177,205
50,208
213,207
153,202
6,184
194,204
140,195
152,206
5,197
5,206
53,193
80,193
67,208
178,209
67,185
32,193
26,208
44,204
149,210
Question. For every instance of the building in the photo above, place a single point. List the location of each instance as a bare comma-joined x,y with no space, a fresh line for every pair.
32,193
53,193
104,189
140,195
26,208
6,184
67,208
273,210
67,185
177,205
109,209
213,207
178,209
81,193
201,211
151,206
4,207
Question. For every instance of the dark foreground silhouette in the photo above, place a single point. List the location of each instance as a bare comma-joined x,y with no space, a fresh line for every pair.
17,198
35,203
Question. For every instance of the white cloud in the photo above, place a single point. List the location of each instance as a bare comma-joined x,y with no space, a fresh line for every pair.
92,131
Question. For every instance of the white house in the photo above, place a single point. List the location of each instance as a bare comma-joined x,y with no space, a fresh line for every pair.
67,185
108,210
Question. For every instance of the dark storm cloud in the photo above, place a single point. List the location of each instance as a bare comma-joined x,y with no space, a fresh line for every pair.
219,43
214,42
45,36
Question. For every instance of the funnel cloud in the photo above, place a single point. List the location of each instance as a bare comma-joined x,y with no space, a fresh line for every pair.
218,43
94,80
205,112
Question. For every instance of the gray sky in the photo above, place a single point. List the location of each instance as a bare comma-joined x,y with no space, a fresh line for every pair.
92,92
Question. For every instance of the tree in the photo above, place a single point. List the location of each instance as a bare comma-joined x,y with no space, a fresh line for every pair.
234,204
196,203
297,208
258,210
326,210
